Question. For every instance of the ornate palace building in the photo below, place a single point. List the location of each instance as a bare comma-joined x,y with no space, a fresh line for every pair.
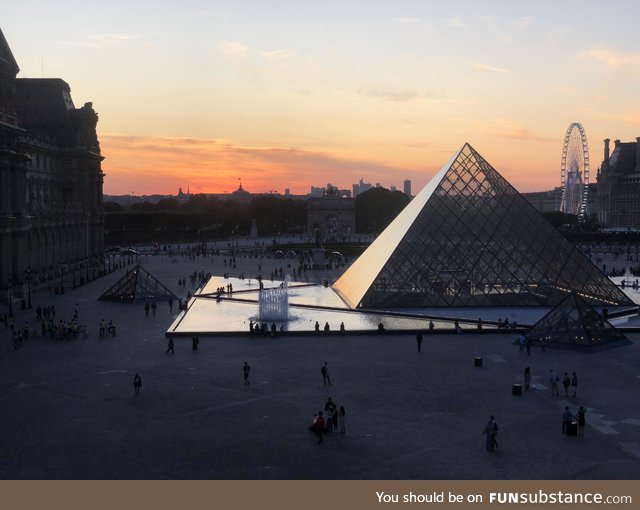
51,210
619,185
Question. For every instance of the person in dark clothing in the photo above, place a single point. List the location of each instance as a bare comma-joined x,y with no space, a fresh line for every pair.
566,382
194,343
324,370
170,346
245,372
137,384
419,341
567,418
581,420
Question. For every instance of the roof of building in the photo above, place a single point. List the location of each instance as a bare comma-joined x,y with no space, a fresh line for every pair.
7,59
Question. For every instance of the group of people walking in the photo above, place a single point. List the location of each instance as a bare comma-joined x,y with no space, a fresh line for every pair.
333,419
568,383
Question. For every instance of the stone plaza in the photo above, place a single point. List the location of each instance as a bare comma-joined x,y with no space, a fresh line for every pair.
69,410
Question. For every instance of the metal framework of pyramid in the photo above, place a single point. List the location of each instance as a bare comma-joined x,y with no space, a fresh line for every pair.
137,285
575,323
469,239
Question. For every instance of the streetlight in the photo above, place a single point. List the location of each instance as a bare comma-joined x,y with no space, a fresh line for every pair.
27,276
10,299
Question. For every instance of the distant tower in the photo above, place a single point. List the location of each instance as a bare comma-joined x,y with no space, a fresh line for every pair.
407,187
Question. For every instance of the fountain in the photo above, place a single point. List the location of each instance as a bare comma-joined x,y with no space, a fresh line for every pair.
273,304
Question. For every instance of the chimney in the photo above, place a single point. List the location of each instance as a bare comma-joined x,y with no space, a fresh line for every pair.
606,151
616,144
637,154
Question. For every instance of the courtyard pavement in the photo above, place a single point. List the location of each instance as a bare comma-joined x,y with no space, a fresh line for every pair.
68,410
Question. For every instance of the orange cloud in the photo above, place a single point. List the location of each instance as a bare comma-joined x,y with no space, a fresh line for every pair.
148,165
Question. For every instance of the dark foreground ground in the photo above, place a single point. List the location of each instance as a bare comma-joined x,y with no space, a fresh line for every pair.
68,410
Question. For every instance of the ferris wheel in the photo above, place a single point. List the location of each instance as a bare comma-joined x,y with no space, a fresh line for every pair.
575,171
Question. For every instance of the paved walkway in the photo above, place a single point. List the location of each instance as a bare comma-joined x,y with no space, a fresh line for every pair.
68,409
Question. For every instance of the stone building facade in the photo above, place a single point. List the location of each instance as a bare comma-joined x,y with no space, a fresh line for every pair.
51,200
619,185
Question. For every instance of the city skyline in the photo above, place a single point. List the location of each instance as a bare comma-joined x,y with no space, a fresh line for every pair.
285,97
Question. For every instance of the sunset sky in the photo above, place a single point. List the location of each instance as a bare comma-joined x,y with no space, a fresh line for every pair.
298,93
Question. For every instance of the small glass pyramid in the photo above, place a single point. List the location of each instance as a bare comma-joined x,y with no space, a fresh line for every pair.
137,285
469,239
574,322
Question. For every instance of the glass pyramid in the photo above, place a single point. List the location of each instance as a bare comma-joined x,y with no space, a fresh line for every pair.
469,239
573,322
137,285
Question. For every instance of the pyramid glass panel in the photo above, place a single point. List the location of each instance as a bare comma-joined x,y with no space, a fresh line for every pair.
574,322
137,285
470,239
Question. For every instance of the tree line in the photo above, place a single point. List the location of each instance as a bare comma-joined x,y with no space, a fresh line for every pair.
208,218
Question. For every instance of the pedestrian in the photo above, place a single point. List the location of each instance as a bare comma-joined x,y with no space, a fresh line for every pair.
317,327
154,307
566,382
553,381
170,346
329,404
330,412
137,384
457,328
103,328
318,426
341,413
194,343
245,372
528,345
527,378
574,383
324,370
495,432
489,433
146,309
479,325
521,343
326,328
419,341
431,326
342,330
581,421
381,328
567,418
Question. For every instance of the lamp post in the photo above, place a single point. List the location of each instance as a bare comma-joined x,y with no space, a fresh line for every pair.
10,299
27,276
